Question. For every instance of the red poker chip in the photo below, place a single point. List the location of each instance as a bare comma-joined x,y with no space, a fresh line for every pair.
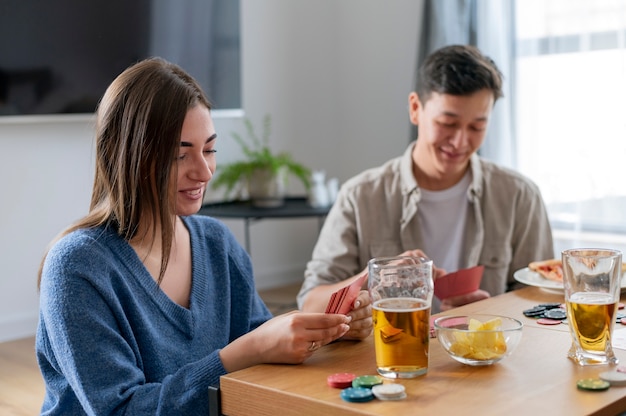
340,380
548,321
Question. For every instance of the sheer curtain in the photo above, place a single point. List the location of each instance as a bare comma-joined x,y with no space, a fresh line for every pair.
571,80
202,37
487,24
562,121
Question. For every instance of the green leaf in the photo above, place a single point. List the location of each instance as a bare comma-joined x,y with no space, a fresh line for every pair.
258,155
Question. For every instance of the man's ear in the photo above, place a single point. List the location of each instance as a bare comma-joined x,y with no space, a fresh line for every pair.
414,108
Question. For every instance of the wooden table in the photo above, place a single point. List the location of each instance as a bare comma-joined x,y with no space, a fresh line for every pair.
537,379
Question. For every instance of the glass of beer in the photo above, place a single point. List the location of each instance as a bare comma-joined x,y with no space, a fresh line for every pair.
591,278
401,289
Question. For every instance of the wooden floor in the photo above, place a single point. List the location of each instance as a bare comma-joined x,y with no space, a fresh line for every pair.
21,385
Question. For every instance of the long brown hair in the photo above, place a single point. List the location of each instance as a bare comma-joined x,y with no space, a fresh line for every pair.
138,125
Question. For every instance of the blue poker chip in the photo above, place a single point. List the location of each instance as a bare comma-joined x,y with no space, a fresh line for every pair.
357,394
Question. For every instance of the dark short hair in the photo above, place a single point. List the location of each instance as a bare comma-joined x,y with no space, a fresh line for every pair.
458,70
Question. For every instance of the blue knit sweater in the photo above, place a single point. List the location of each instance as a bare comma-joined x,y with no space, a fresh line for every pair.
110,342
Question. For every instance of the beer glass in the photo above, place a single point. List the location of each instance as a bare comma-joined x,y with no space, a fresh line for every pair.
401,289
591,279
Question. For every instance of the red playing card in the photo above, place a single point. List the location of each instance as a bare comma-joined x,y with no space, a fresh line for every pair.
459,282
332,303
345,297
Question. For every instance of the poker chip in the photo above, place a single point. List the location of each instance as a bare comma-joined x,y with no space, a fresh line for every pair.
340,380
550,305
357,394
593,384
556,313
549,311
548,321
367,381
615,378
389,391
534,311
621,369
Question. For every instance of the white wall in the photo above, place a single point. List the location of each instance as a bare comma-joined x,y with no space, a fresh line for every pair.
334,75
46,177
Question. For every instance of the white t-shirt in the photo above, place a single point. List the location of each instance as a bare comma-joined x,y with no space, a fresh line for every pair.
442,216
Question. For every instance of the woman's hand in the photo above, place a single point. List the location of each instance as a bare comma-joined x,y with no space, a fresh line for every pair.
288,339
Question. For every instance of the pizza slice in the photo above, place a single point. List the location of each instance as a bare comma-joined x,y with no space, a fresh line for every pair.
549,269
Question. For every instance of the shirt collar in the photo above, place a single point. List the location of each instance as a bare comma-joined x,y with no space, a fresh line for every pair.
476,187
407,178
409,184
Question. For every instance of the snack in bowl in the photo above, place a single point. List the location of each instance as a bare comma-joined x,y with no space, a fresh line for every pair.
551,269
478,339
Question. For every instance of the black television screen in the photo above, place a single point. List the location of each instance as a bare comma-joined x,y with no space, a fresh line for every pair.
58,56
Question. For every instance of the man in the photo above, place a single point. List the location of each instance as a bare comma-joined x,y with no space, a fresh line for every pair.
439,199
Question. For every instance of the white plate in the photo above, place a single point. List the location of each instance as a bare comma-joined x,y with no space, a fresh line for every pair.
531,278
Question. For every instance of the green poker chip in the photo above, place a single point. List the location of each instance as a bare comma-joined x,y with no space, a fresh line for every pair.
367,381
593,384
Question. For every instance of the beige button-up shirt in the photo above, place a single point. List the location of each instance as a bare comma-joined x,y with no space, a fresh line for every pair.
375,215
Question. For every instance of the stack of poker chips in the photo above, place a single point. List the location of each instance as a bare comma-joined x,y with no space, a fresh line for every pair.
365,388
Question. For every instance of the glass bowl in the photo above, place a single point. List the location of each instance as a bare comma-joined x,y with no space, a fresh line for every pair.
478,339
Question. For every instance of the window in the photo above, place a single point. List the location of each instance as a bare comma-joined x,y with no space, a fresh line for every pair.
570,111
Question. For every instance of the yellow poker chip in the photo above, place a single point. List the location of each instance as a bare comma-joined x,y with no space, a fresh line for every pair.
593,384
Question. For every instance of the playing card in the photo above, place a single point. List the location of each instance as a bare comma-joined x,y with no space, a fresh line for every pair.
459,282
332,303
341,301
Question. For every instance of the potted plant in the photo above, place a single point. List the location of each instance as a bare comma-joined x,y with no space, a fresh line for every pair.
263,172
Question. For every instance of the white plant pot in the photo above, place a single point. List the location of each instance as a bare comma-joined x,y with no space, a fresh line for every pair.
267,189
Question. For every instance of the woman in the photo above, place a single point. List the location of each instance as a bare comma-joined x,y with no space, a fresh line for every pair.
143,305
